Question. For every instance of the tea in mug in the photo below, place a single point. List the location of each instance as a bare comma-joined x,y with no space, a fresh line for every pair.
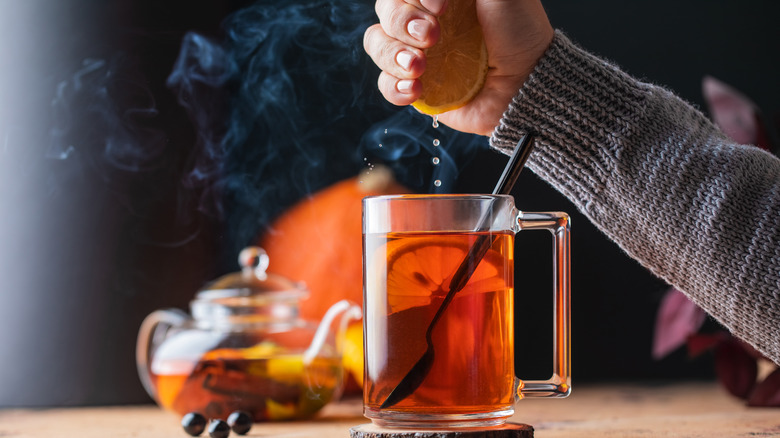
407,276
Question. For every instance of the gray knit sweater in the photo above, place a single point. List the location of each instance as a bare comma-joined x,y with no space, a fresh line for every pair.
658,178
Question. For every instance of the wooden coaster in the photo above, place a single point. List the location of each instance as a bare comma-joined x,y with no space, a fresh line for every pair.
509,430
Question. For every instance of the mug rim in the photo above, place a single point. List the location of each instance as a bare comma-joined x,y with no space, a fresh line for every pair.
438,196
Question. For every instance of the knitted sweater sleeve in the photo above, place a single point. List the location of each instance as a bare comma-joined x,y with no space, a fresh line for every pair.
659,179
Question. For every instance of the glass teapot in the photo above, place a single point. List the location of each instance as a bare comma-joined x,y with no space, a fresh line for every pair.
244,348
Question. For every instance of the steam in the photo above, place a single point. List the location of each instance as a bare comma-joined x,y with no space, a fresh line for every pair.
200,78
303,112
283,103
105,110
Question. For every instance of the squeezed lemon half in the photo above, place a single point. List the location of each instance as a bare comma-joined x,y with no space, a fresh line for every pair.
457,64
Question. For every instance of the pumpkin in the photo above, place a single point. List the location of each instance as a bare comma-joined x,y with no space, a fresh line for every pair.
319,241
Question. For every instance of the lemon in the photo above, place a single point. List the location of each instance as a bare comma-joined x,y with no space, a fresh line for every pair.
280,411
353,351
457,64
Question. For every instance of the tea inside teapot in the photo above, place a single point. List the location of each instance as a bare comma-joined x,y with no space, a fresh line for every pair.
244,348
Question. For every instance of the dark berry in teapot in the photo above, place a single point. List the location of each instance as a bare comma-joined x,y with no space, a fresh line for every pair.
240,422
193,423
218,429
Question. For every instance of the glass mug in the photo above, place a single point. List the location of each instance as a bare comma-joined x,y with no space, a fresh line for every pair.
438,309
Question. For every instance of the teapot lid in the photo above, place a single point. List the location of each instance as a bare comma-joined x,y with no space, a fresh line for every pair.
253,280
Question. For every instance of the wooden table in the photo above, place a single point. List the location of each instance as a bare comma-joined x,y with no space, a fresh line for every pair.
673,410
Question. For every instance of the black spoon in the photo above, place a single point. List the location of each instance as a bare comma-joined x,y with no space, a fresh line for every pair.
420,370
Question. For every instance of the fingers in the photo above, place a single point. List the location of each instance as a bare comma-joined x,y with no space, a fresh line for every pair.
409,22
392,56
401,65
399,91
396,44
435,7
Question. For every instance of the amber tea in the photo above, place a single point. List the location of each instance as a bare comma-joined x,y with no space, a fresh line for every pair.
472,370
281,387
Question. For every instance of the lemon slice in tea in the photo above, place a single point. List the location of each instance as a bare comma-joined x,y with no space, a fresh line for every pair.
421,267
457,64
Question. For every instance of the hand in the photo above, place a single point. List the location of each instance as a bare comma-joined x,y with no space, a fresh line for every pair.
517,32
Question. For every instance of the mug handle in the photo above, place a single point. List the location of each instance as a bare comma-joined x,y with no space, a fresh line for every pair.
153,330
559,384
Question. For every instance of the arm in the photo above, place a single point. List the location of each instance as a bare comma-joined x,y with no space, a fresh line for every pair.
659,179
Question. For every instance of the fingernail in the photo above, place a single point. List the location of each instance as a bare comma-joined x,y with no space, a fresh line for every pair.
434,6
418,29
404,86
404,59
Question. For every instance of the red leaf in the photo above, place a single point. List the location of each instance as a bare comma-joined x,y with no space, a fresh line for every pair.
733,112
736,368
677,319
762,140
749,349
767,393
701,342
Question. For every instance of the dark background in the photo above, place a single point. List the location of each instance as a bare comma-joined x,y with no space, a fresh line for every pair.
87,249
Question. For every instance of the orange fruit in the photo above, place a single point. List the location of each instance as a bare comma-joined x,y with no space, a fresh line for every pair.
457,64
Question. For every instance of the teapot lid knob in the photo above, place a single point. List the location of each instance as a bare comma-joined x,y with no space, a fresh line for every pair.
253,279
254,261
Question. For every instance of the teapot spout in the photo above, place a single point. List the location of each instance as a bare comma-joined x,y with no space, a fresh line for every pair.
344,311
